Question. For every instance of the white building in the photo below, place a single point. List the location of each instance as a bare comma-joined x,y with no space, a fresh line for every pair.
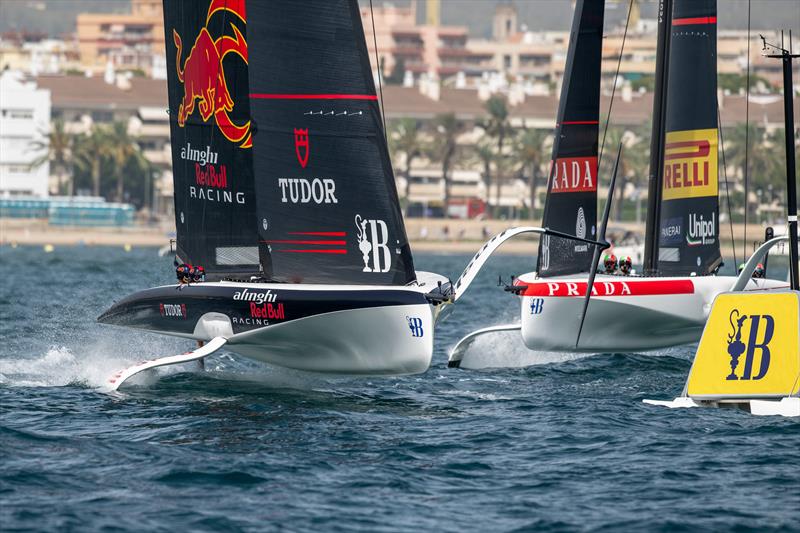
24,121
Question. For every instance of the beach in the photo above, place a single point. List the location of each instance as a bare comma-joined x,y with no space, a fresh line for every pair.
425,235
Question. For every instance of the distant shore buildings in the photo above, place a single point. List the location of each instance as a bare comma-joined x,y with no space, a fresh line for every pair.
113,70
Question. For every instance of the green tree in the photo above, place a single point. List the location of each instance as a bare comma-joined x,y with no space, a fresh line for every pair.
735,141
405,140
57,149
530,153
90,151
483,151
447,128
498,127
122,149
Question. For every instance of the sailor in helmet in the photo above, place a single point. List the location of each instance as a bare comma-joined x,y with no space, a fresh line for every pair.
625,265
610,264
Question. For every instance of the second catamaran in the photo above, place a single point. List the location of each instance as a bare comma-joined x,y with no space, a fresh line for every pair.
669,304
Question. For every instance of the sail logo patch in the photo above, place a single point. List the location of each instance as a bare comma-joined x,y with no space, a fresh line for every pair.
301,146
756,342
750,347
690,164
671,231
415,325
203,76
373,238
701,230
574,174
304,191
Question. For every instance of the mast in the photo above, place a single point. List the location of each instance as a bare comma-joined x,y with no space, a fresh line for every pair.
791,179
657,139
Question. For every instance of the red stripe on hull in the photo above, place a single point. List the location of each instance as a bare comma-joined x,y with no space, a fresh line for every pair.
609,288
695,20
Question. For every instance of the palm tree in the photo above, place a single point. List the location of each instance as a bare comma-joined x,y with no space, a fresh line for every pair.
497,126
632,165
736,151
122,149
57,148
529,151
404,138
448,127
484,152
90,150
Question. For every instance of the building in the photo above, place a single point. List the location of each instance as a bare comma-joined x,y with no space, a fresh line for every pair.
141,103
36,55
24,122
403,44
128,41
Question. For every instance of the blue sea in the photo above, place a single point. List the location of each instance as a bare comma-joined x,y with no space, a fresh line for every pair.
550,442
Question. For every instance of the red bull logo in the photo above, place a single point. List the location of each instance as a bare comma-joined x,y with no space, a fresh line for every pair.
203,76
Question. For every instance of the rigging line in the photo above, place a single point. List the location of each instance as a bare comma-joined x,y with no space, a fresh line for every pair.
614,87
727,190
747,132
378,66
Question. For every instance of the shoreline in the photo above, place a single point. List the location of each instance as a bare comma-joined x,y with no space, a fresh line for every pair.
425,235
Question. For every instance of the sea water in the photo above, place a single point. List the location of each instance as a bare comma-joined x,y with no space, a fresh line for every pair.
551,442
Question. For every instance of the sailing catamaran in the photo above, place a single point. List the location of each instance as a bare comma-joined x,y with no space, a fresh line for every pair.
668,305
284,193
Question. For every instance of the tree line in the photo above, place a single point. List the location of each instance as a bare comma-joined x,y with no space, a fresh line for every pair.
104,161
505,153
107,161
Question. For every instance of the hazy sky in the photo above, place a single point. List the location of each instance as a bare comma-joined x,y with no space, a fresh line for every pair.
58,16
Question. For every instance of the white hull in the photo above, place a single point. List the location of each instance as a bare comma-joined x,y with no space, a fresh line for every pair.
625,314
374,341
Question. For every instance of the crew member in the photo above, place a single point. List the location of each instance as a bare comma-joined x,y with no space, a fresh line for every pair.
625,265
184,273
610,263
759,272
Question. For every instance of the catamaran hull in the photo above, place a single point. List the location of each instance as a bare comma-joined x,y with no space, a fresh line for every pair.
625,313
353,330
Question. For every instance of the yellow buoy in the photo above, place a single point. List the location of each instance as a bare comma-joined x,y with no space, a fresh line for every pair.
127,247
48,248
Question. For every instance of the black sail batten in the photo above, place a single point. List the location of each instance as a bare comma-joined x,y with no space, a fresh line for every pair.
215,202
328,210
689,204
571,205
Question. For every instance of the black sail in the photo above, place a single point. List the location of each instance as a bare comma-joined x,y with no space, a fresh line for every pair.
328,210
571,205
207,54
688,239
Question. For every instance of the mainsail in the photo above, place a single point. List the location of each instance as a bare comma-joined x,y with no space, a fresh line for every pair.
215,199
571,205
328,210
688,205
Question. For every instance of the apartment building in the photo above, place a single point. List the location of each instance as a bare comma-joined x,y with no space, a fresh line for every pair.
24,123
132,41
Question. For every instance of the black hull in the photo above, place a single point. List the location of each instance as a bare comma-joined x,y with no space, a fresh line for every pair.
177,311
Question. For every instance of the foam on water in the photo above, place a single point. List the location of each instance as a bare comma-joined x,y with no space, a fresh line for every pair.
505,349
